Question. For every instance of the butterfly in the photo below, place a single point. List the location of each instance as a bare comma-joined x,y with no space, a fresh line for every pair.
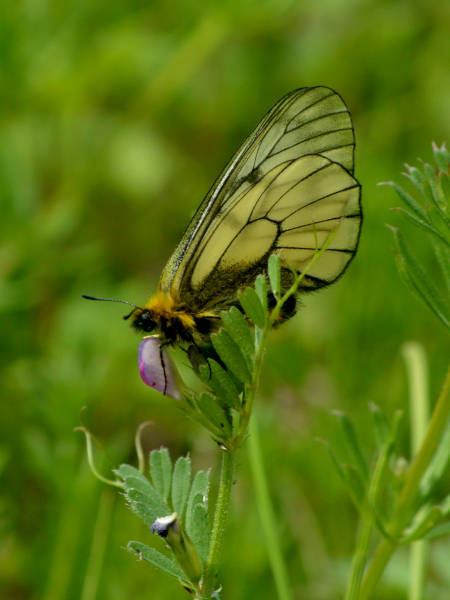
288,188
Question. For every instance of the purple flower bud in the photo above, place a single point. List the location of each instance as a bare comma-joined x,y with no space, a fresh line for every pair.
162,525
155,367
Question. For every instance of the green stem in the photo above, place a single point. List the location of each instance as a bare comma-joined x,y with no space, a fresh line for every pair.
416,365
423,458
369,519
98,547
417,569
219,524
267,514
410,489
359,559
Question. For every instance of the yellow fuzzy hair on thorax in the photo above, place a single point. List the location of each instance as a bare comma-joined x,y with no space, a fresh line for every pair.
163,305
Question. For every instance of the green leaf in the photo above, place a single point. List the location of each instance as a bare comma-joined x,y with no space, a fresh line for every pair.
252,306
416,176
425,520
261,290
442,157
386,451
348,475
215,413
197,495
439,530
355,484
443,259
146,508
445,506
352,443
135,481
200,533
221,383
231,355
334,459
202,417
126,472
416,277
438,464
424,225
181,482
410,281
434,187
236,325
382,427
158,560
161,471
274,269
408,200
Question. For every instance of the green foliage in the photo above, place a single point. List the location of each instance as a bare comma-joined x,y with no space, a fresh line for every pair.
352,442
429,213
274,271
161,471
198,496
233,376
400,517
186,512
231,354
207,411
261,290
252,305
158,560
235,324
181,483
221,383
142,497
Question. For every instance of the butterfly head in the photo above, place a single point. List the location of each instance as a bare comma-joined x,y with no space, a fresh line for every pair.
143,319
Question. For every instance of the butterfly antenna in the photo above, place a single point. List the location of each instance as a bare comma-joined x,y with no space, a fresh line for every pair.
108,300
112,300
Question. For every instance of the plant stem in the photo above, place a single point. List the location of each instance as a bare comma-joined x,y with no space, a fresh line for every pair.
359,559
219,524
408,494
253,385
423,458
99,541
368,518
417,569
416,365
267,514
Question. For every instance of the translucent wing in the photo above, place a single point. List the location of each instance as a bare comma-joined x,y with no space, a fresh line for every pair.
286,189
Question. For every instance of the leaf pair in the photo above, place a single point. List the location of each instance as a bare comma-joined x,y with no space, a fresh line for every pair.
170,490
225,375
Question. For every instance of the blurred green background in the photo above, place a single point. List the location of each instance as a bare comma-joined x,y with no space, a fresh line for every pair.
115,119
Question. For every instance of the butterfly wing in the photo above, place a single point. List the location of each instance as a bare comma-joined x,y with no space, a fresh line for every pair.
287,188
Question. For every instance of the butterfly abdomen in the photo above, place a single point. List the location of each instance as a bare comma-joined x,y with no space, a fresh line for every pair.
287,311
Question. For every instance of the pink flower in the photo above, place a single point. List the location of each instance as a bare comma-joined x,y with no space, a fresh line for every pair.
156,368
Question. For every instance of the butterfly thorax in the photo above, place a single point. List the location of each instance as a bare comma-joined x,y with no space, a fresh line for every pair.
175,322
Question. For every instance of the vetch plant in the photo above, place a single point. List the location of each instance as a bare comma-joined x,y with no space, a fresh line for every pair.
177,510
